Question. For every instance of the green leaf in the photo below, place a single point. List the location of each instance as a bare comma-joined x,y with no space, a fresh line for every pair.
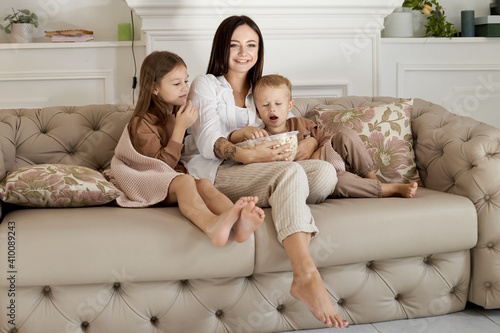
386,115
101,187
396,127
70,181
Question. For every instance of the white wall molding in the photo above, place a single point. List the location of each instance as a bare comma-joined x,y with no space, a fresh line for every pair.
307,41
14,103
106,76
404,70
320,89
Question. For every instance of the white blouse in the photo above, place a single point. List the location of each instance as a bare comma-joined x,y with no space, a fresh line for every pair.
213,97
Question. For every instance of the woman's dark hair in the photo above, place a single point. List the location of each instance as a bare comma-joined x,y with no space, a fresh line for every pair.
219,57
154,67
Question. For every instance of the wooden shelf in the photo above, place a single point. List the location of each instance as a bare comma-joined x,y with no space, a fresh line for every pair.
439,40
94,44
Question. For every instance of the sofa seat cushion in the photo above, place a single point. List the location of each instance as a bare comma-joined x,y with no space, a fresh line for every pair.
105,244
362,230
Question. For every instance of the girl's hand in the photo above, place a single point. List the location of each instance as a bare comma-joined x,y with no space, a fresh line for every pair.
186,116
306,148
247,133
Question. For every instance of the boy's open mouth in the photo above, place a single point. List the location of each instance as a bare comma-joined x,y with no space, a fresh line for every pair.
273,117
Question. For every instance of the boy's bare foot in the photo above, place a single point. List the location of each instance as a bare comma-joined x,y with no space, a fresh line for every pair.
221,227
399,190
308,288
250,219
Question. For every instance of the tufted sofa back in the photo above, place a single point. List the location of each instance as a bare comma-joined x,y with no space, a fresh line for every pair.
83,135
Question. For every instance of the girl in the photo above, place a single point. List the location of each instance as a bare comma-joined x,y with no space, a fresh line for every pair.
146,163
224,100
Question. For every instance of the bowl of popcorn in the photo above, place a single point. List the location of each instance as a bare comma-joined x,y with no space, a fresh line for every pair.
282,138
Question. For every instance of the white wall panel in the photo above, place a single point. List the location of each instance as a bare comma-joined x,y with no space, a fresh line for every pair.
319,44
461,74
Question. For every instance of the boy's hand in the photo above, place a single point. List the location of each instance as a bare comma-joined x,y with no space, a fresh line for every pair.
306,148
246,133
186,116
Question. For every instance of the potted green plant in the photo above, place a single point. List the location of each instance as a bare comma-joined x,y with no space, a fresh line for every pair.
21,23
437,25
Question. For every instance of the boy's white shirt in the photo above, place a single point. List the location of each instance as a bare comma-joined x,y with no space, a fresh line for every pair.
213,97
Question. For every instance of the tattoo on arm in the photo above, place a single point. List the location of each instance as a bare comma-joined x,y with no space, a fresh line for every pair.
224,149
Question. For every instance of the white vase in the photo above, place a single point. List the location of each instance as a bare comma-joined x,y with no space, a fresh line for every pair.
398,24
419,22
22,33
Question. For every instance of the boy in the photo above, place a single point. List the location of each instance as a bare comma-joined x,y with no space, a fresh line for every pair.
273,100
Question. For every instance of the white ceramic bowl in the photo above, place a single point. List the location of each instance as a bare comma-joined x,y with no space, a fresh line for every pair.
282,138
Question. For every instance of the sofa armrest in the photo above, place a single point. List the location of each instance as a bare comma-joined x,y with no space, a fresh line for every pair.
459,155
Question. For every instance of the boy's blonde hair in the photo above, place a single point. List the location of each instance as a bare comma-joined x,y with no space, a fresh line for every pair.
274,81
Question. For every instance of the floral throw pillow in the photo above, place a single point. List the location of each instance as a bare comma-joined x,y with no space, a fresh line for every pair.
57,185
386,132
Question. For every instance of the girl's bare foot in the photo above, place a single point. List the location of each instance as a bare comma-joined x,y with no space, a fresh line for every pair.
250,219
221,227
399,190
308,288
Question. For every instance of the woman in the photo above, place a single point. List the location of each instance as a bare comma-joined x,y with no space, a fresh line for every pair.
225,105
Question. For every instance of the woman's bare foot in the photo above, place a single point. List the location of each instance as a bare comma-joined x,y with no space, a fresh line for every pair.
399,190
221,226
308,288
250,219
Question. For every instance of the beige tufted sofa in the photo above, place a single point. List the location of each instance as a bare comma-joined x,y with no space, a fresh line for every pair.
110,269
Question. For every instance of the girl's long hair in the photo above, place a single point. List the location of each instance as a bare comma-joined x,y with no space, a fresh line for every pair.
154,67
219,57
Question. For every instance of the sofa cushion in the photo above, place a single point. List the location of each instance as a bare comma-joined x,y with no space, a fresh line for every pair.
80,135
362,230
63,246
57,185
386,132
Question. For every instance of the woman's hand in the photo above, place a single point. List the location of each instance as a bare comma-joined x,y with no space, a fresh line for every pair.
261,153
247,133
186,116
306,148
266,152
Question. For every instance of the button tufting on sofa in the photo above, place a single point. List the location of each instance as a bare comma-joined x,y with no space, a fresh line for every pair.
153,320
116,285
490,245
218,313
369,265
452,290
46,290
340,301
85,324
487,284
280,307
14,330
397,297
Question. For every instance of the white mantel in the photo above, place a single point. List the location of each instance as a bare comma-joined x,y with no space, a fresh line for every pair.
326,47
